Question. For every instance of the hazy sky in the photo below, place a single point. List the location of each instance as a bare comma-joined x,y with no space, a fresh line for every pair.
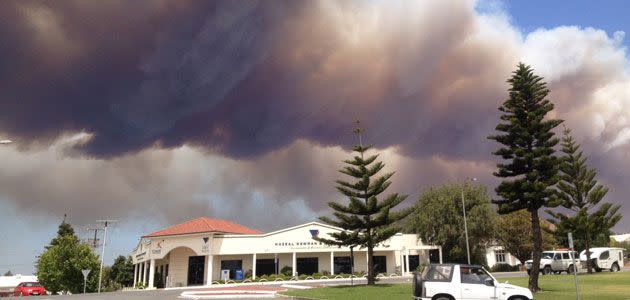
157,112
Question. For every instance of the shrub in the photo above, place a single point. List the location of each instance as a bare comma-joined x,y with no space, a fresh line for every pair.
286,270
504,268
325,273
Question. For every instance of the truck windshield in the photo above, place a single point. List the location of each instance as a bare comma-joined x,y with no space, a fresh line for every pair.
437,273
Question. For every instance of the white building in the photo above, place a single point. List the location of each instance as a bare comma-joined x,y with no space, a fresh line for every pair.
620,238
497,255
195,252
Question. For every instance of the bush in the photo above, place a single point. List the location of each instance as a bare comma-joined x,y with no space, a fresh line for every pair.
504,268
286,270
325,273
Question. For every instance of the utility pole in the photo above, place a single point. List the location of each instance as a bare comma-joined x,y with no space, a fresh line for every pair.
465,223
95,240
100,273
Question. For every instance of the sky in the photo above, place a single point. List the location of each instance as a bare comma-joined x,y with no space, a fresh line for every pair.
157,112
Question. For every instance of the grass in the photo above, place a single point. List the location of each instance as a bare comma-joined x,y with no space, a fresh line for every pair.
556,287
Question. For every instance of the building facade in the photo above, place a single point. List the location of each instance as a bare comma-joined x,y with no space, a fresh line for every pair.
496,255
195,253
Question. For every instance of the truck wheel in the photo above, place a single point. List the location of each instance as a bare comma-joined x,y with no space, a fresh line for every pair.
442,297
614,268
546,270
570,269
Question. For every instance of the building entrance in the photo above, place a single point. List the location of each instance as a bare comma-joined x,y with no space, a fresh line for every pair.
380,264
265,266
196,266
307,265
342,264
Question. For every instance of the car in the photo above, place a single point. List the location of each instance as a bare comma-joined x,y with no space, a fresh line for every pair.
555,261
604,258
458,281
29,289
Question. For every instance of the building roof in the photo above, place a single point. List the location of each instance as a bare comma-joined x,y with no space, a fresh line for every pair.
204,224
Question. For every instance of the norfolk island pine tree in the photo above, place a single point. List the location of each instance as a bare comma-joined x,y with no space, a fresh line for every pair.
580,192
365,220
531,168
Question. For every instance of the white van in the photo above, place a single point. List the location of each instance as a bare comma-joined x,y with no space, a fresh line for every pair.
602,258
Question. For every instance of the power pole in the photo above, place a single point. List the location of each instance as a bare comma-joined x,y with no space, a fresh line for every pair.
95,240
100,273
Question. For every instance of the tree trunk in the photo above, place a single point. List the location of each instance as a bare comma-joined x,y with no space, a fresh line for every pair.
537,235
370,253
587,242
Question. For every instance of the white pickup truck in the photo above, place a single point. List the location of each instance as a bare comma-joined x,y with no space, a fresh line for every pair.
465,282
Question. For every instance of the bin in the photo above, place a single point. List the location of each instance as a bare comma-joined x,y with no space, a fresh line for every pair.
239,275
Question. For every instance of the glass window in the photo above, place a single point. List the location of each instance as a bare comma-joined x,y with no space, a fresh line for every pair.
499,256
565,256
558,256
604,255
438,273
547,255
473,275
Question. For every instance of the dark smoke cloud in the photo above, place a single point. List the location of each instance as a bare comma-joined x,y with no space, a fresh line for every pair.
266,88
241,78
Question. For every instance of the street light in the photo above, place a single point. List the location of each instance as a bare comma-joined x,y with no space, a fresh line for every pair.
465,224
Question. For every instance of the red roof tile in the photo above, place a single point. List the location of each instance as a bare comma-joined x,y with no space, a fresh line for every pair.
204,224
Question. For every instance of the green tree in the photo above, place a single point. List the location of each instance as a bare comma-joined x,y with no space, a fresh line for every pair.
59,267
514,234
365,220
580,192
8,273
122,271
530,170
65,229
446,228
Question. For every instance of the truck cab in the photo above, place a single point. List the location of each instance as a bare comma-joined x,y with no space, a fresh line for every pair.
465,282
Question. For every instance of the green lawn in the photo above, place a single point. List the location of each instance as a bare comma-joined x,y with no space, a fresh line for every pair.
597,286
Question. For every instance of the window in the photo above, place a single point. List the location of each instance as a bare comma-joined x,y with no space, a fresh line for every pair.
547,255
565,256
473,275
604,255
438,273
499,256
558,256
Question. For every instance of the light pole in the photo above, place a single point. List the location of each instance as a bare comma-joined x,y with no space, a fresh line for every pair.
100,273
465,223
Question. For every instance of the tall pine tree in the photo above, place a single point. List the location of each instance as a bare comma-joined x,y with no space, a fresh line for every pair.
580,192
65,229
366,221
531,167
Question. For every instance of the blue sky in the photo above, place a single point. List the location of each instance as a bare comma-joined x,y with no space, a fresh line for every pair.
529,15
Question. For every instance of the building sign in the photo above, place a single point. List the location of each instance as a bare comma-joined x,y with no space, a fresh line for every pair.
140,255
